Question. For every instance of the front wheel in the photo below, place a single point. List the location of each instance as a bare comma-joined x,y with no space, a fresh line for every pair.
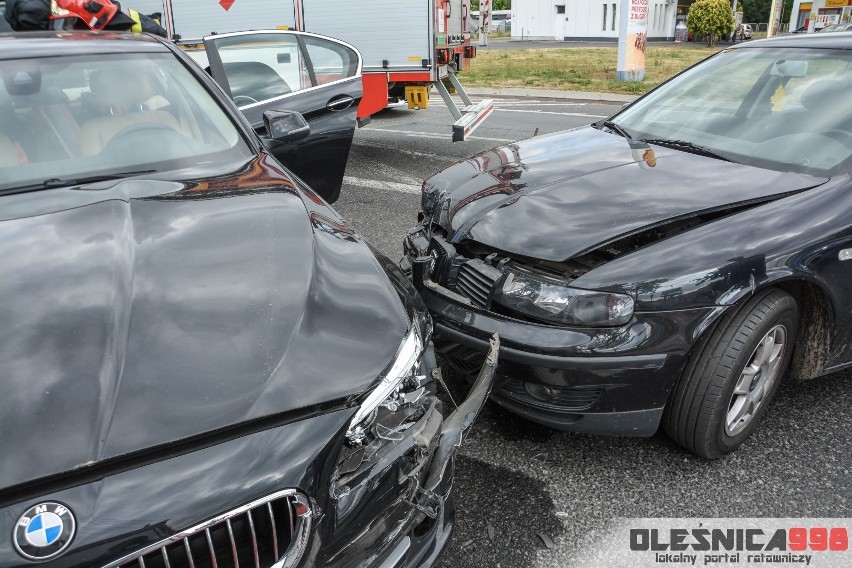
728,383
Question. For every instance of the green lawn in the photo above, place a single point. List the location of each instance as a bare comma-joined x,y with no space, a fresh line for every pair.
576,69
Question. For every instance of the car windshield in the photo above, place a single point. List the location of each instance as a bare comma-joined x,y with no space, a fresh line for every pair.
66,120
777,108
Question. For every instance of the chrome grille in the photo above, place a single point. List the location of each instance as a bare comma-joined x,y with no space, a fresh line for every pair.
271,532
476,280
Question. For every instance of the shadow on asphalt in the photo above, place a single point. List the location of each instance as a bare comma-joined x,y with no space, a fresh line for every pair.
524,479
496,524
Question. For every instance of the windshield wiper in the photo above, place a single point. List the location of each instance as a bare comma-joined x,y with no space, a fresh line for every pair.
54,183
614,127
65,182
688,147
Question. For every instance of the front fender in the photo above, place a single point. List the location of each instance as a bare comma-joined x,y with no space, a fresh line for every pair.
722,262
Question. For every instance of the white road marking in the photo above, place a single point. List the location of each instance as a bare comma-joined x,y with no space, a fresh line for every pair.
384,185
550,112
497,108
446,136
539,104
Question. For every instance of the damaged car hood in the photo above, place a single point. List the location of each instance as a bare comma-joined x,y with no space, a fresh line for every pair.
554,197
141,312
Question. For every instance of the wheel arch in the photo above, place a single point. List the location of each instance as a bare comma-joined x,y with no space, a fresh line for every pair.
816,320
817,316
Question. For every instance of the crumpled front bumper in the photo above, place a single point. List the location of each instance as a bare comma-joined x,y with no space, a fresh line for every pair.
399,513
401,508
613,380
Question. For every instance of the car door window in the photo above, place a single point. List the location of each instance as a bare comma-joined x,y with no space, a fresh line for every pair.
260,67
331,61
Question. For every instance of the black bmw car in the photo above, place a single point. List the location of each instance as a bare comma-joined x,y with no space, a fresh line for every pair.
668,265
202,365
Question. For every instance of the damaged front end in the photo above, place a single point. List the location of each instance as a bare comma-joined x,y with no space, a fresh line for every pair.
572,358
393,478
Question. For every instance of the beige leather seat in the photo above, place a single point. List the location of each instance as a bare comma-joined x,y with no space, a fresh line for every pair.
97,132
8,152
125,102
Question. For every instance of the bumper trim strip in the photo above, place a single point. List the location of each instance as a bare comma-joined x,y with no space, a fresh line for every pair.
458,423
555,361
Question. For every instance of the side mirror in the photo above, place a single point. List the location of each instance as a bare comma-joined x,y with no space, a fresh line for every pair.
285,126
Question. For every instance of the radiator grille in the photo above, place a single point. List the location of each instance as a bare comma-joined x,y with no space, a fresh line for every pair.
476,280
270,531
441,267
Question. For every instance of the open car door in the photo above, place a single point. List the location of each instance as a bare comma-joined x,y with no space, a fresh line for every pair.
318,76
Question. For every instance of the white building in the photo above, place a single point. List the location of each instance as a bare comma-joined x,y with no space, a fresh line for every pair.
567,20
819,13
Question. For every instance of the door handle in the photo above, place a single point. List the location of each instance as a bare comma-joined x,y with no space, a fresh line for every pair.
340,103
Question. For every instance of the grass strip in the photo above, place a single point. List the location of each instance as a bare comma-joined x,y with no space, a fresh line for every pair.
590,69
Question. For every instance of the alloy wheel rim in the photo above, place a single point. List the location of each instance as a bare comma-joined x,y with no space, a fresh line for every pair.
756,380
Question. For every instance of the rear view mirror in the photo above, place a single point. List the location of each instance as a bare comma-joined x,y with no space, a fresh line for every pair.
285,126
22,80
283,57
788,68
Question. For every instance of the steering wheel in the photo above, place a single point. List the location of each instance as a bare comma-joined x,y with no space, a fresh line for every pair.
241,100
127,136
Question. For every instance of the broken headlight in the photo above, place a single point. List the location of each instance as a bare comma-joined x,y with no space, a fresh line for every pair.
434,193
402,375
549,301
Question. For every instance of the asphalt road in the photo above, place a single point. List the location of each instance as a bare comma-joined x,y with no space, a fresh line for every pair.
519,485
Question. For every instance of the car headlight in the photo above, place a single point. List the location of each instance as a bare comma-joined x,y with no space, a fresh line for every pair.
553,302
404,369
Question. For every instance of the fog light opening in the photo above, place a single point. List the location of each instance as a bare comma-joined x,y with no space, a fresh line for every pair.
541,392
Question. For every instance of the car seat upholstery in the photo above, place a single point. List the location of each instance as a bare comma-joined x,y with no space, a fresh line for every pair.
124,102
813,114
828,100
255,80
98,132
8,152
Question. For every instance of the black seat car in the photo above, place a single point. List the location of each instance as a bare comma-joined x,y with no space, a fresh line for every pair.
202,364
665,266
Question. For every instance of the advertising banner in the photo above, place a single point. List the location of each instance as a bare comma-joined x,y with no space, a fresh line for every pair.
717,543
632,35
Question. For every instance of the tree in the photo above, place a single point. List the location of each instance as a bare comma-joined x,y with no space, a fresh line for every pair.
495,5
710,18
756,10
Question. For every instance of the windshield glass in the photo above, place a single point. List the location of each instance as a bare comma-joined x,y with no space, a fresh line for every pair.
777,108
69,118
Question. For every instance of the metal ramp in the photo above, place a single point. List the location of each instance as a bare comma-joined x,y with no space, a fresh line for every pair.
469,117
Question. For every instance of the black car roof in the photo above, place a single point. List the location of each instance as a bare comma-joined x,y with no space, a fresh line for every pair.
829,40
60,43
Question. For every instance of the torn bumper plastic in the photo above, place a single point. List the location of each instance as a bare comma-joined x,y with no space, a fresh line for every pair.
396,489
609,380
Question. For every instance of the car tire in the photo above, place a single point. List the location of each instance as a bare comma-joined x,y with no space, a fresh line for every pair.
731,379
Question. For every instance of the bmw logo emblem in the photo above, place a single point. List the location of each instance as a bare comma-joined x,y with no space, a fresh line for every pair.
44,531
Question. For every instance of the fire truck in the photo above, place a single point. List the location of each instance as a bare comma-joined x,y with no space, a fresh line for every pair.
408,46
